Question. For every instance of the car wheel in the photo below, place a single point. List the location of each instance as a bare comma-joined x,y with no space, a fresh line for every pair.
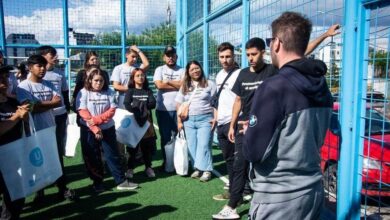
330,178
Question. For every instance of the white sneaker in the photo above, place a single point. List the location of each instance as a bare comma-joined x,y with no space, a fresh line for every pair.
129,173
126,185
206,176
195,174
226,186
227,213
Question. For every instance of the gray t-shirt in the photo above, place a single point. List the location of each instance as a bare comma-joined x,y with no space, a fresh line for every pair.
166,99
36,92
58,79
121,74
200,103
96,103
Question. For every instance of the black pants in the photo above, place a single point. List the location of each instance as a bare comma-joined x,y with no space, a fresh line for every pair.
240,174
61,137
147,145
227,148
10,209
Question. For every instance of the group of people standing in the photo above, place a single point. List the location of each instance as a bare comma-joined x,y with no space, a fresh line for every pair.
270,118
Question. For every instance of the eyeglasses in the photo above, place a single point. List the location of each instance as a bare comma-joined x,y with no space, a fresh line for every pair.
269,40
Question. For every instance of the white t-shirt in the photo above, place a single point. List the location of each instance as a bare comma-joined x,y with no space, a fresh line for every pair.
96,103
166,99
227,96
36,92
58,79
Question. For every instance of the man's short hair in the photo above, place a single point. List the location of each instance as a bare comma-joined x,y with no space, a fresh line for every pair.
43,50
255,43
36,59
293,29
225,46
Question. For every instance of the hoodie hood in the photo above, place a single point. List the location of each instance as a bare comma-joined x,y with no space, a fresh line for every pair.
309,79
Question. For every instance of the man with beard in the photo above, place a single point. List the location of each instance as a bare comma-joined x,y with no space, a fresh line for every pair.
168,79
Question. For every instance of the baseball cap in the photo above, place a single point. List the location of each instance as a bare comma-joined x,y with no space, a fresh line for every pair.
169,50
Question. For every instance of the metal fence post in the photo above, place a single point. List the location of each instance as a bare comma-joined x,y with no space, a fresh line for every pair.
2,29
348,190
205,38
123,28
245,31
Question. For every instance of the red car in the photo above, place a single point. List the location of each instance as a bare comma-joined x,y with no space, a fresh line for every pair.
376,154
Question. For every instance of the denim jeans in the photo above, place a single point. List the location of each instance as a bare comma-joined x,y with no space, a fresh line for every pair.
167,124
92,152
198,134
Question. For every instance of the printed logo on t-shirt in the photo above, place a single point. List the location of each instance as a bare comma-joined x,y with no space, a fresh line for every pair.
100,101
141,97
251,85
252,121
42,95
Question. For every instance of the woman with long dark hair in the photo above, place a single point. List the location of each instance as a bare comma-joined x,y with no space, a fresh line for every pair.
197,118
140,101
96,106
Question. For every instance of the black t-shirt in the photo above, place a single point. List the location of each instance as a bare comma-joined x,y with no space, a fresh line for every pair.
7,109
247,83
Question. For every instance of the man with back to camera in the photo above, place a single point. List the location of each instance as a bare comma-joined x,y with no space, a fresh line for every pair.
283,137
168,79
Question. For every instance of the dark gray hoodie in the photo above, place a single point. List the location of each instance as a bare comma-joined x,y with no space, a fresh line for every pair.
287,125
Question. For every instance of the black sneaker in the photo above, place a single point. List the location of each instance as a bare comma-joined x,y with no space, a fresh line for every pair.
69,194
39,197
98,188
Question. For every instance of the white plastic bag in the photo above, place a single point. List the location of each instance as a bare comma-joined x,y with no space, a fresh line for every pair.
181,154
128,131
169,153
30,163
73,136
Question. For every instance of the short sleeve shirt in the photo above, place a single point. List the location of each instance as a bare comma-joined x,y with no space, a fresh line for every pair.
166,99
96,103
247,83
200,103
36,92
58,79
7,109
227,96
121,74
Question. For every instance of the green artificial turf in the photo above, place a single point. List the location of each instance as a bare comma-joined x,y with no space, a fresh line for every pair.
168,196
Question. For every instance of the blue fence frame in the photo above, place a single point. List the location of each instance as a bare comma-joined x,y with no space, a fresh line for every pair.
355,49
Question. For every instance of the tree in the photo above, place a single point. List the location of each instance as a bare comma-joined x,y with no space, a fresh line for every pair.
380,60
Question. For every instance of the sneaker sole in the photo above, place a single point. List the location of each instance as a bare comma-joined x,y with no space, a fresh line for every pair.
126,188
220,199
216,217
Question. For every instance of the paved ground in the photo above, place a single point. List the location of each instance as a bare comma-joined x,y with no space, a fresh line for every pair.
374,210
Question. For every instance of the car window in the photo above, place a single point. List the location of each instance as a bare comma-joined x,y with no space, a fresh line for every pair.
376,123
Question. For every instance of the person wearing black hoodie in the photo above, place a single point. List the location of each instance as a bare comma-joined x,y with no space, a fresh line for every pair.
287,124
